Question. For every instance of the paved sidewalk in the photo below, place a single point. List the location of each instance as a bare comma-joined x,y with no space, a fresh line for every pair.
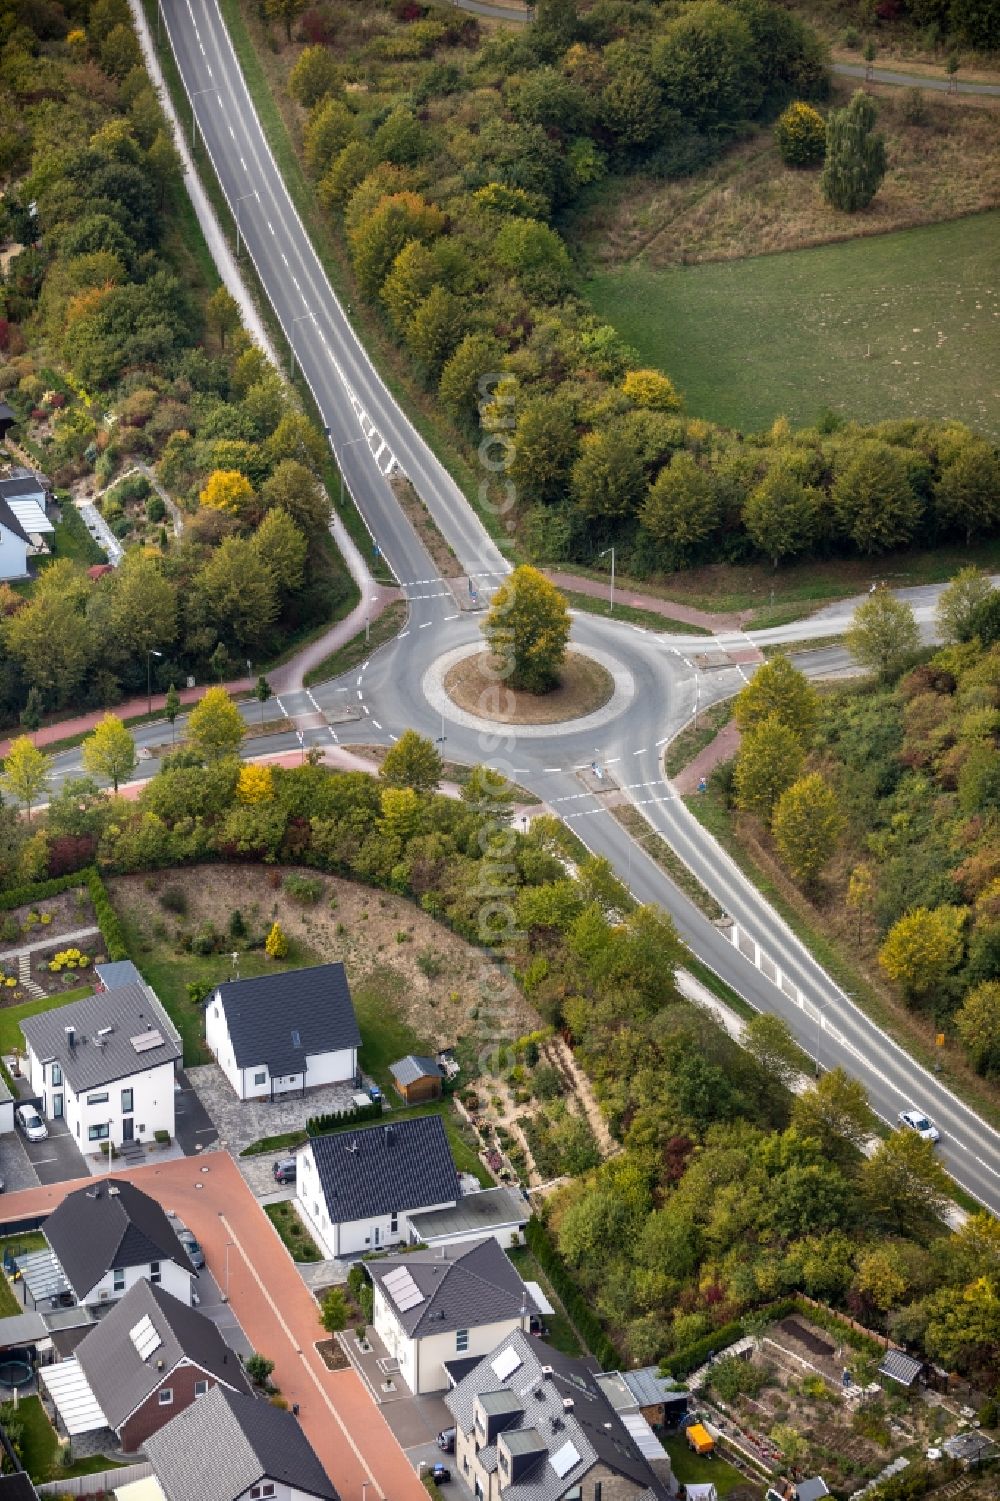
374,599
673,610
133,708
52,942
722,748
278,1314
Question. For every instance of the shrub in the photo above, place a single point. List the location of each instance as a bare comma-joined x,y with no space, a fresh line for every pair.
259,1369
276,944
205,941
174,899
305,889
155,508
334,1311
800,135
547,1083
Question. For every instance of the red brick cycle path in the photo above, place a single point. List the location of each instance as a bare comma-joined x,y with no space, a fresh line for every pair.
278,1314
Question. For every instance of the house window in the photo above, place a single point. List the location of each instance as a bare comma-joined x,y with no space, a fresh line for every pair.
479,1489
166,1396
504,1462
118,1279
574,1493
465,1464
98,1133
266,1488
597,1490
200,1388
127,1106
98,1099
461,1340
260,1077
394,1222
154,1271
56,1074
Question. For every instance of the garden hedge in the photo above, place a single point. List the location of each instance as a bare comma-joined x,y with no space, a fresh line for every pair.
587,1324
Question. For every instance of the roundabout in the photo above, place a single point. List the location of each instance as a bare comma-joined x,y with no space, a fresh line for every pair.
464,680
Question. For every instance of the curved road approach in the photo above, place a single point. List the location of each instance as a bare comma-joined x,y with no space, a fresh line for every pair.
663,680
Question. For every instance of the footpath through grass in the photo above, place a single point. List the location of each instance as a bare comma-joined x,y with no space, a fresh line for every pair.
899,325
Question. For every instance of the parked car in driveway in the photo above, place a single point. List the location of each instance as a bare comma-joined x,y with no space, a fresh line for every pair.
915,1120
284,1170
196,1255
446,1440
31,1123
440,1474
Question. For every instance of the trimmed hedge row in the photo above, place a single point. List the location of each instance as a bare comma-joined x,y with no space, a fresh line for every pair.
318,1125
107,917
23,896
581,1314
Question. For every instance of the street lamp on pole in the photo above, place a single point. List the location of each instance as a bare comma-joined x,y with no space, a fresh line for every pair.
604,555
252,194
336,456
151,653
194,118
302,743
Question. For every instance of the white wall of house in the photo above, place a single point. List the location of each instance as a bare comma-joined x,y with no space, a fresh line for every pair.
421,1361
146,1098
6,1116
504,1235
13,555
351,1237
256,1082
173,1278
273,1490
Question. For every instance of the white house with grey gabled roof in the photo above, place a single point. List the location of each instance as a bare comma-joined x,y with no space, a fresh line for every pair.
430,1307
286,1032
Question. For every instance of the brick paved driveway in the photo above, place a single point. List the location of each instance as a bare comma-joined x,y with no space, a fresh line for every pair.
277,1312
239,1122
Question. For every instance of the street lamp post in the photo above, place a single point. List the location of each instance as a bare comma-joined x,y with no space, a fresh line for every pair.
604,554
194,117
302,743
252,194
336,456
149,678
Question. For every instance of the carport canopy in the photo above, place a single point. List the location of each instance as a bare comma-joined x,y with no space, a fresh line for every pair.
539,1299
43,1275
78,1408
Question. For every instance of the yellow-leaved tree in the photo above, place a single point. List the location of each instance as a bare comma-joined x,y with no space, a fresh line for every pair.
276,946
255,785
923,947
227,490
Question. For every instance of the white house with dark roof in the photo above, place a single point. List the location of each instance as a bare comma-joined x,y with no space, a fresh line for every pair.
107,1236
140,1365
228,1447
284,1032
106,1065
533,1425
15,544
356,1188
434,1306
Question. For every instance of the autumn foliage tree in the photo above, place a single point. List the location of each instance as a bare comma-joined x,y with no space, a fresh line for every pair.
800,135
227,490
527,629
109,751
806,825
215,727
769,761
779,689
412,762
922,948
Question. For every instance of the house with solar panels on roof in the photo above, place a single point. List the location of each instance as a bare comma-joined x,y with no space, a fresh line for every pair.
286,1032
435,1306
533,1425
106,1066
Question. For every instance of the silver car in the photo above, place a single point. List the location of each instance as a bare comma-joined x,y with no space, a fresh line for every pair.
31,1123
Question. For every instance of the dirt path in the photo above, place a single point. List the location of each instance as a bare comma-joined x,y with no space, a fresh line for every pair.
560,1056
670,608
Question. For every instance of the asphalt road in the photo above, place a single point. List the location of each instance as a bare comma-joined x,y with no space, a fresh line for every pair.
658,684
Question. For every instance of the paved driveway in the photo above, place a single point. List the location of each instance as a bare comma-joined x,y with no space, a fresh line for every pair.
15,1168
194,1128
279,1315
240,1122
57,1157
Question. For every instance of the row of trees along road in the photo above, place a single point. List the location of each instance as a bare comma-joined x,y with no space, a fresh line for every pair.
452,179
115,349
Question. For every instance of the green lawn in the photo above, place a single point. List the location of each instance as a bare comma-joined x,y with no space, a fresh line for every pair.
11,1016
299,1243
33,1240
41,1448
693,1469
561,1336
897,325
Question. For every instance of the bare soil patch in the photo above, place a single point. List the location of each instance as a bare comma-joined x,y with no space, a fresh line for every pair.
428,977
39,922
583,687
749,203
424,525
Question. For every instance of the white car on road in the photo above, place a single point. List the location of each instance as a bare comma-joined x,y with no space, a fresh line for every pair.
31,1123
915,1120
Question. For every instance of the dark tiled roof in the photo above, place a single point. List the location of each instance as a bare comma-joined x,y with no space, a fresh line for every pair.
224,1443
411,1068
129,1012
282,1019
17,1488
590,1425
468,1286
899,1366
118,1375
110,1224
385,1169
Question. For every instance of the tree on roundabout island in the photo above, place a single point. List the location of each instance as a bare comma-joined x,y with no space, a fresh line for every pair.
527,629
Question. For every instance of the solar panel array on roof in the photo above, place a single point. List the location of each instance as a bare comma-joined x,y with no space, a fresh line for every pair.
564,1459
146,1041
145,1336
505,1364
402,1289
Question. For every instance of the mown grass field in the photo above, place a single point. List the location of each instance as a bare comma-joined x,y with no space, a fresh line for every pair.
897,326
